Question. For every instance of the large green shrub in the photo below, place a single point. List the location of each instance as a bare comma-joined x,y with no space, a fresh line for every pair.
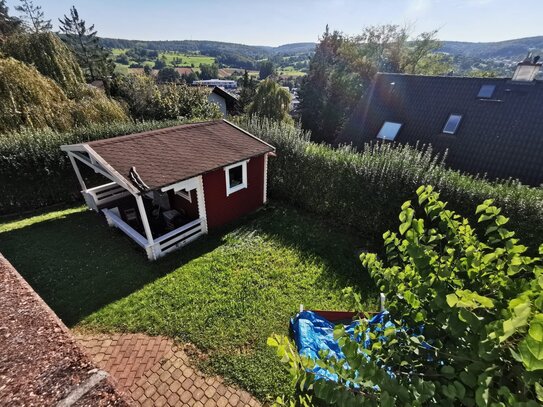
34,172
465,312
48,54
30,99
147,100
364,190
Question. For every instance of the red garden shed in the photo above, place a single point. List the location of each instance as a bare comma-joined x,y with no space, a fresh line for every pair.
169,186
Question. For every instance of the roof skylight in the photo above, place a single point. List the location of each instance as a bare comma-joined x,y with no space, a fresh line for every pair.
452,124
486,91
389,131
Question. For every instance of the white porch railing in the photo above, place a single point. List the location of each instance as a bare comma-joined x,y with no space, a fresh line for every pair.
114,220
175,239
103,194
162,245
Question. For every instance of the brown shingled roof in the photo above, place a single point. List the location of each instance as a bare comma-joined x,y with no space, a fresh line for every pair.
166,156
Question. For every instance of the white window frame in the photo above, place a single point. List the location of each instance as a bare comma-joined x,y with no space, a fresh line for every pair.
453,131
243,185
183,193
382,128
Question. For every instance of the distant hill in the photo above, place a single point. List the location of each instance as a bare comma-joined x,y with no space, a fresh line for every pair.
510,49
211,48
498,57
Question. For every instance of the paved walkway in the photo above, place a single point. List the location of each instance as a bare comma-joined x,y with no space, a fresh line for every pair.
156,372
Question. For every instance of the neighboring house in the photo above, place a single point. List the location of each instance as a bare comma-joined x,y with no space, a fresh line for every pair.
221,83
227,102
169,186
490,126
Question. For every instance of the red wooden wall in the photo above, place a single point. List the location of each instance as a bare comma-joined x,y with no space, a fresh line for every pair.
181,204
222,209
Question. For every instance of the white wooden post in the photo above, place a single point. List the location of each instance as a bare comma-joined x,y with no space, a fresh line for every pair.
144,220
265,198
201,203
77,173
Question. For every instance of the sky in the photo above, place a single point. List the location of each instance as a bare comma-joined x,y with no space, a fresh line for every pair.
277,22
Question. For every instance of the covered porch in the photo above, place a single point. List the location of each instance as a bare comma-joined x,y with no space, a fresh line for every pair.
159,221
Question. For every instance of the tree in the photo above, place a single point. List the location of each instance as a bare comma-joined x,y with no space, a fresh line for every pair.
122,59
168,74
209,71
343,68
266,69
147,100
247,92
84,42
8,24
159,63
271,101
33,17
49,55
464,324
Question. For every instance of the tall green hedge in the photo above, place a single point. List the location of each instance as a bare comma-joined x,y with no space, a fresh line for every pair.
34,172
365,190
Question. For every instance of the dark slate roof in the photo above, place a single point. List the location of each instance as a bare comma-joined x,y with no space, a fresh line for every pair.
232,102
501,136
166,156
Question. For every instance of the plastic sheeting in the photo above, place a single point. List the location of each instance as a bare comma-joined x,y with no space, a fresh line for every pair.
313,334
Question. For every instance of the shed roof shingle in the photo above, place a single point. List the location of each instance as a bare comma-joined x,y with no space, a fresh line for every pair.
501,136
166,156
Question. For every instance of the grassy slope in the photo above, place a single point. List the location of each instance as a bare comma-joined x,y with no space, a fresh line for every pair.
187,60
225,293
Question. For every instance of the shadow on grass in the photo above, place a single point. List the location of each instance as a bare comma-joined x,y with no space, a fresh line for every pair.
78,264
318,240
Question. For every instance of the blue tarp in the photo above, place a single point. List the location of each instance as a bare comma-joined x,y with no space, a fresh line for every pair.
313,333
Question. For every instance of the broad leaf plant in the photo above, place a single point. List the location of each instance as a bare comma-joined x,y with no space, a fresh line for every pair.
466,310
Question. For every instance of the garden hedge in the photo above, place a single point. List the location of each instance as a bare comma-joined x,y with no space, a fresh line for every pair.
34,172
360,189
365,189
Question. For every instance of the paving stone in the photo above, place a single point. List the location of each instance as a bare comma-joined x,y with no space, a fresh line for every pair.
186,396
210,391
155,372
161,401
222,402
173,399
234,399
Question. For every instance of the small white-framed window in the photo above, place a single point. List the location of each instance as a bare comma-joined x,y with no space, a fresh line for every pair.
389,131
236,177
452,124
183,193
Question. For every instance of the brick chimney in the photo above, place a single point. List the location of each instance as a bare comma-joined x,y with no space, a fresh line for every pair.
527,70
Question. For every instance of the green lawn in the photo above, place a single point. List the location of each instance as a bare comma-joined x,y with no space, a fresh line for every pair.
225,293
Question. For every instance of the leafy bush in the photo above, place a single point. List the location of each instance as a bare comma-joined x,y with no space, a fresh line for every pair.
48,54
34,172
465,313
148,100
364,190
29,99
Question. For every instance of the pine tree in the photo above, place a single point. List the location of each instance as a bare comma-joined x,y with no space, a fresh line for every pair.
85,43
8,24
247,93
33,17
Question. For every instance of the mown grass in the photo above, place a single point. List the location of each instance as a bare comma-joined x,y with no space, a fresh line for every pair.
226,293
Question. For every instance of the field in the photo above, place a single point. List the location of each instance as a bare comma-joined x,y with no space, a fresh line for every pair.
192,60
225,293
290,71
